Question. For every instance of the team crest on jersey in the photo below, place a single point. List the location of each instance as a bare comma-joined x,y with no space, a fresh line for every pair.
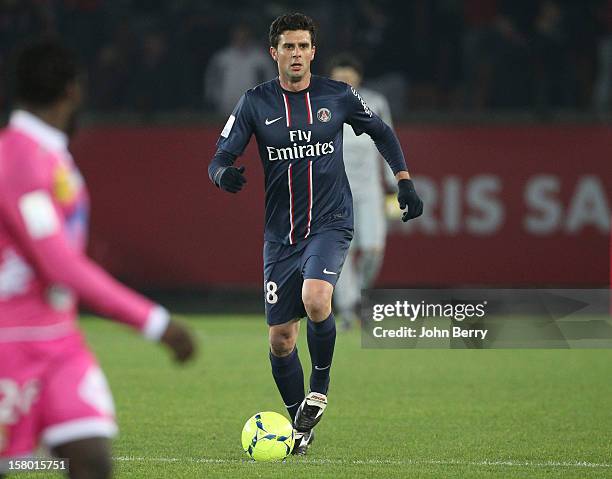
324,115
65,185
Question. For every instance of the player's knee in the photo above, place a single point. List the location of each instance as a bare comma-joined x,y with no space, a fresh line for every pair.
91,465
95,465
317,303
89,458
282,343
373,251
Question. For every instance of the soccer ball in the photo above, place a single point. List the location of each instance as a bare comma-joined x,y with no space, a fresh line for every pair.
267,436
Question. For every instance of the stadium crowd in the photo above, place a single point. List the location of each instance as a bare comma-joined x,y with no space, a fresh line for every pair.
443,55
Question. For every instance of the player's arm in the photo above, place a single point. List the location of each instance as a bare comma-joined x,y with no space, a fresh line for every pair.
363,120
35,219
232,142
384,113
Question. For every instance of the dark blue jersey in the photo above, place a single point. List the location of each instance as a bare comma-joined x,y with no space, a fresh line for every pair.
299,136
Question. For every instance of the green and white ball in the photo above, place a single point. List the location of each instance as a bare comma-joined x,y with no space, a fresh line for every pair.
267,436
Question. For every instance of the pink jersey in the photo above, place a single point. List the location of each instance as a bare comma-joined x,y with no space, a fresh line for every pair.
43,229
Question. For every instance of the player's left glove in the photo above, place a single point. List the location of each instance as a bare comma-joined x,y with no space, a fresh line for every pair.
231,179
409,200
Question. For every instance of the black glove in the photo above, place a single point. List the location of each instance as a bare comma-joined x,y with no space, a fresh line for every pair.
409,200
231,179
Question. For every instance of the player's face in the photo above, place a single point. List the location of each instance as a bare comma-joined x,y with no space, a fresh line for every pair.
347,75
293,54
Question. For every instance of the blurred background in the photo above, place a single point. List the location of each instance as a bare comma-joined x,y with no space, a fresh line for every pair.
540,57
503,108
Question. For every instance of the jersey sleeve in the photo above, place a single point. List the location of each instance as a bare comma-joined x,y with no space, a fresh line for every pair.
363,120
360,116
384,111
34,218
238,129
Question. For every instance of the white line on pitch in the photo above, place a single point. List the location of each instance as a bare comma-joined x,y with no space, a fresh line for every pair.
377,462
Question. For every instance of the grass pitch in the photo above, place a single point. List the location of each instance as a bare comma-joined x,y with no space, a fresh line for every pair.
392,413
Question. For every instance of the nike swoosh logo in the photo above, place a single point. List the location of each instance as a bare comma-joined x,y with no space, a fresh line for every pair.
322,369
328,272
269,122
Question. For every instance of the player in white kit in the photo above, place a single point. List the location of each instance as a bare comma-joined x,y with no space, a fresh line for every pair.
364,168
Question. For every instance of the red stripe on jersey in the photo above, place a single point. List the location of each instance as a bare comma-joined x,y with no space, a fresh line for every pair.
290,179
308,108
287,110
309,198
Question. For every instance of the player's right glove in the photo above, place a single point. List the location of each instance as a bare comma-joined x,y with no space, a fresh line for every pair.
409,200
230,178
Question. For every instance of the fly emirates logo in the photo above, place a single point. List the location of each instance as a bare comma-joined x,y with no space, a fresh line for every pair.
300,151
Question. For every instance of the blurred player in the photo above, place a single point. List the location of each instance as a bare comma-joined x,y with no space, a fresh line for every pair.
52,390
298,121
362,162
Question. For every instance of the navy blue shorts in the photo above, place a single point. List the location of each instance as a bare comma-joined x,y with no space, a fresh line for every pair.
287,266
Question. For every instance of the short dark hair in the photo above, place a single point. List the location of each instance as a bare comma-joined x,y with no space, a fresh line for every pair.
42,71
291,21
344,60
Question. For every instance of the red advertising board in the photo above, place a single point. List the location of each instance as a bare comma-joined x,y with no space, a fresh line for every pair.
527,205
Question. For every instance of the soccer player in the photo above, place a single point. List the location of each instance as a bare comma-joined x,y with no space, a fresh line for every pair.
363,169
51,388
298,121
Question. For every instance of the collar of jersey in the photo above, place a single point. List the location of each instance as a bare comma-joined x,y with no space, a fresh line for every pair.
289,92
34,127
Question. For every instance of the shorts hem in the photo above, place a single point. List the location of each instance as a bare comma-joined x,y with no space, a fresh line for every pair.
77,429
278,323
329,279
